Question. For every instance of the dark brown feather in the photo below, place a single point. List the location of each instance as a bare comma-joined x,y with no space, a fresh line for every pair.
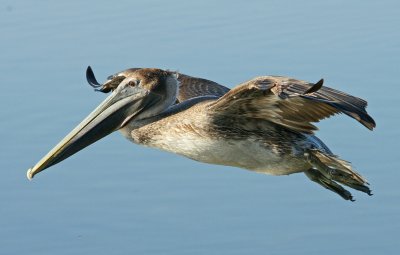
291,103
191,87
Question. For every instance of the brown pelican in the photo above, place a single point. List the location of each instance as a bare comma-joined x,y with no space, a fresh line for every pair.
263,125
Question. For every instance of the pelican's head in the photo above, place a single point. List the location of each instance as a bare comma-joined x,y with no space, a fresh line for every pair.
137,93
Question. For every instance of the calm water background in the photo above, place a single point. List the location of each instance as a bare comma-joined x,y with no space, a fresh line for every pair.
118,198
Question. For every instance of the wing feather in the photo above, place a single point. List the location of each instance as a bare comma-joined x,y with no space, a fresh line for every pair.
292,103
191,87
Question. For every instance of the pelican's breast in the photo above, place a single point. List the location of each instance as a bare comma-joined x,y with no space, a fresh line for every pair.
193,134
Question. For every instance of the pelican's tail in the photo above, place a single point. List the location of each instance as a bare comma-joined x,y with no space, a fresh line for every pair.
329,170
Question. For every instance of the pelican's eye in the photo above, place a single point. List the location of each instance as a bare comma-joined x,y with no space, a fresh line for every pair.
134,83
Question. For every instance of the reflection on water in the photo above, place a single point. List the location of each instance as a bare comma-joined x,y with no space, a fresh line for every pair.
115,197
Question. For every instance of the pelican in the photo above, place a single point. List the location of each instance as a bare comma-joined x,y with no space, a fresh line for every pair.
263,125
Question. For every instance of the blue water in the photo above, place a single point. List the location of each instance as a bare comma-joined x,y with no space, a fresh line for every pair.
118,198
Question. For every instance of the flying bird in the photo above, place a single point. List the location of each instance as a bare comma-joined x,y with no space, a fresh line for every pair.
263,125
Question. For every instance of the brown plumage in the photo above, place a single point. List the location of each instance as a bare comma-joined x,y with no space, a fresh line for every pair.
291,103
190,87
264,125
276,112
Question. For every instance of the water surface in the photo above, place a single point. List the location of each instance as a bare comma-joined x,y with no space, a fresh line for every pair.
119,198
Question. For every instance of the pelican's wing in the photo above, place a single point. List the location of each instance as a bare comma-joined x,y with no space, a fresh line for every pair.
291,103
191,87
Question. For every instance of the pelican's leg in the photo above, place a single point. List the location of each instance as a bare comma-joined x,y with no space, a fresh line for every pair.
348,181
321,179
317,164
339,173
323,175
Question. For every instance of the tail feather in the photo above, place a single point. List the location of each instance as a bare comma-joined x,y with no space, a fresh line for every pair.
340,167
334,170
